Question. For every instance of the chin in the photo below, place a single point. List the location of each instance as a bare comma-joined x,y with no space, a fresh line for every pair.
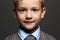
29,26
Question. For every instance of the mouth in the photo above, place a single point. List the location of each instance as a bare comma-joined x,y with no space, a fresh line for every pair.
29,22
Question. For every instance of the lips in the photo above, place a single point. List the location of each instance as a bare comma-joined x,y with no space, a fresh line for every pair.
29,21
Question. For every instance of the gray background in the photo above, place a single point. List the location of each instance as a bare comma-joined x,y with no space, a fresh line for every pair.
9,25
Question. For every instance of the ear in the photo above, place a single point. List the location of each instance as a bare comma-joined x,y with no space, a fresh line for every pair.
43,12
14,12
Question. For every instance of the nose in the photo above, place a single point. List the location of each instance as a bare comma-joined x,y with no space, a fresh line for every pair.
28,15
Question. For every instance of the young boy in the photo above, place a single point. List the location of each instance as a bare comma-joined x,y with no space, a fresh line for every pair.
29,13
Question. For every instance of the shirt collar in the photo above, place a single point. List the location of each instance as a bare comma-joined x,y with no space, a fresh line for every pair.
36,33
23,34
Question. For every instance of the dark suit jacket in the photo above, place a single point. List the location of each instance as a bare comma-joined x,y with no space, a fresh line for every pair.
43,36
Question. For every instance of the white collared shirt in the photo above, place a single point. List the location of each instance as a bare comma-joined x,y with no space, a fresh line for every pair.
23,34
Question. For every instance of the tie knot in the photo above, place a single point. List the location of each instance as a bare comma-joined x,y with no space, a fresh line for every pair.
30,37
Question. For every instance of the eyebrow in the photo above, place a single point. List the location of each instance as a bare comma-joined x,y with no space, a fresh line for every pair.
21,8
35,7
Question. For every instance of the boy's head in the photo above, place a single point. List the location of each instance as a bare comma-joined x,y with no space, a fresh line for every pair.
29,13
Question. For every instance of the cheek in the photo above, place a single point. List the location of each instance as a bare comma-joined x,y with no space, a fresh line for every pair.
37,17
20,17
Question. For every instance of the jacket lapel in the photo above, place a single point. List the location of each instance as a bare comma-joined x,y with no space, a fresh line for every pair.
17,37
42,35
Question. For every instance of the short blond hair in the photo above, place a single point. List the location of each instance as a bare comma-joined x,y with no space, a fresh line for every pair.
16,2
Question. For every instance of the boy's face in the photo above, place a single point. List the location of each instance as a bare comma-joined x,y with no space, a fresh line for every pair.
29,13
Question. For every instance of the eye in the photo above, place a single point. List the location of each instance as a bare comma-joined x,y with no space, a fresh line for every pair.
35,9
22,10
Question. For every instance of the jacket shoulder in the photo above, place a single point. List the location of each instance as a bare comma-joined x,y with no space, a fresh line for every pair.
12,37
48,36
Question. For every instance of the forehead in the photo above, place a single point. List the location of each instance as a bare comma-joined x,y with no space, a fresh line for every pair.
29,2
